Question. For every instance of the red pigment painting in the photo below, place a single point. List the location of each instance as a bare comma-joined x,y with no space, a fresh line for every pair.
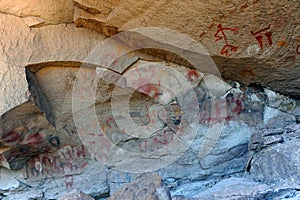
263,32
221,30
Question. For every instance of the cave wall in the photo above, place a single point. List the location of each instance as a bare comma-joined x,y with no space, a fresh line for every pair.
83,83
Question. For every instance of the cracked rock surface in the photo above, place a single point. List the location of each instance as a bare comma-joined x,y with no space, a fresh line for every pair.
206,98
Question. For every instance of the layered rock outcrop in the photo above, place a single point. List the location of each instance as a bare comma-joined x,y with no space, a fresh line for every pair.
262,35
205,94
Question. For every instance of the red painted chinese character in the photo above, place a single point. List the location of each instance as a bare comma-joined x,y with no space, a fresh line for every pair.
223,36
259,36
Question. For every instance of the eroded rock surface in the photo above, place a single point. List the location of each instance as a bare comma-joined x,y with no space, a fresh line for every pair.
76,195
235,113
165,108
25,132
147,187
52,185
243,188
273,155
258,33
49,12
22,46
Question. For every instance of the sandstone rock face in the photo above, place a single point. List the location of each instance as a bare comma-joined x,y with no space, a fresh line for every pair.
13,86
209,156
48,12
88,104
255,33
13,81
44,44
24,46
239,118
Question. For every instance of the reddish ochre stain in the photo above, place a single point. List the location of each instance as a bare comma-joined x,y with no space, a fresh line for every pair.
143,145
69,180
298,49
46,161
2,158
55,164
282,44
163,138
34,139
110,122
217,116
192,75
83,165
218,37
101,156
11,137
247,73
81,152
239,107
144,84
259,36
150,89
290,59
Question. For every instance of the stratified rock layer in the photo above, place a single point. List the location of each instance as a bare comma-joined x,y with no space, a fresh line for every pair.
247,39
273,155
70,96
